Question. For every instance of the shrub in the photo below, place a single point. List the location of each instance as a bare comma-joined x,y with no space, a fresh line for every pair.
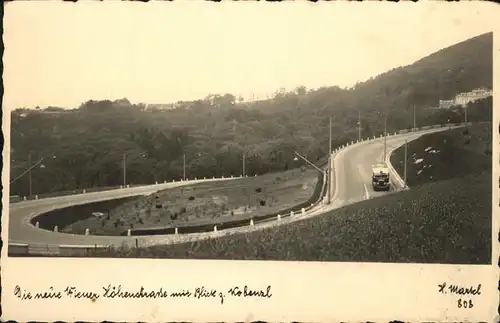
262,202
174,216
258,190
191,198
183,210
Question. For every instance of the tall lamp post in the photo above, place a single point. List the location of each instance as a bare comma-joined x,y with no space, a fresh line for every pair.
414,118
142,155
385,136
406,161
124,169
184,166
244,164
28,171
329,169
29,168
319,169
359,125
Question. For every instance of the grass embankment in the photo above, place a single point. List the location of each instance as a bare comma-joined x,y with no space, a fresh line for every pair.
445,155
445,218
207,203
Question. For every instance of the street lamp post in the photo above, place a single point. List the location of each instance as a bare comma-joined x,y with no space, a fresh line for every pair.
124,162
244,170
319,169
184,166
124,169
414,119
466,127
28,171
30,180
329,169
385,136
359,125
310,163
406,161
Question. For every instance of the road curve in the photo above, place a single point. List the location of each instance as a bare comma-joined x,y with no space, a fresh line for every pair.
352,183
20,214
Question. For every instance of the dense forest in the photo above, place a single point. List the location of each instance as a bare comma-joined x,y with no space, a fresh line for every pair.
85,147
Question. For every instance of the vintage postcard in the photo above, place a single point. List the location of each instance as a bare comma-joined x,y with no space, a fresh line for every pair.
250,161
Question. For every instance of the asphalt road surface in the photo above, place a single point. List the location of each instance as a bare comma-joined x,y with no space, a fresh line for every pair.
352,183
22,231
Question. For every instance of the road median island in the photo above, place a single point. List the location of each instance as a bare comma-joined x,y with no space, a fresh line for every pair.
295,189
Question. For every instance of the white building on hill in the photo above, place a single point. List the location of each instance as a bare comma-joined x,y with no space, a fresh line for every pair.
464,98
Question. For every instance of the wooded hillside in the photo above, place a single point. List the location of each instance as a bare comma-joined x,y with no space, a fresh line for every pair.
88,142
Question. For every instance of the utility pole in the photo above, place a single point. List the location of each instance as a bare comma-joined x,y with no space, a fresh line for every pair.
184,166
124,169
359,125
406,160
29,165
330,138
329,169
244,153
385,136
414,119
466,117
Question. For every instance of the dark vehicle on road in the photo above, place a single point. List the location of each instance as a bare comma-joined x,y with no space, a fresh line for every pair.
380,177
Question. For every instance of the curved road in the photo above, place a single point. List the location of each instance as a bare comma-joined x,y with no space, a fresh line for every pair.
352,183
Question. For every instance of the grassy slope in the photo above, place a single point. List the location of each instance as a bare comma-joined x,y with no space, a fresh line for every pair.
430,223
213,201
459,155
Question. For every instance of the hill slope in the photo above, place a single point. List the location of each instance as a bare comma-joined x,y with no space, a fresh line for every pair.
89,142
444,155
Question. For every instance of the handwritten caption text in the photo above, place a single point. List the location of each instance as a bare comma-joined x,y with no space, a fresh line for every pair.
120,292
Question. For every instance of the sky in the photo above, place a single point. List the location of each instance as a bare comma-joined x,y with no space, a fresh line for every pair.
63,54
